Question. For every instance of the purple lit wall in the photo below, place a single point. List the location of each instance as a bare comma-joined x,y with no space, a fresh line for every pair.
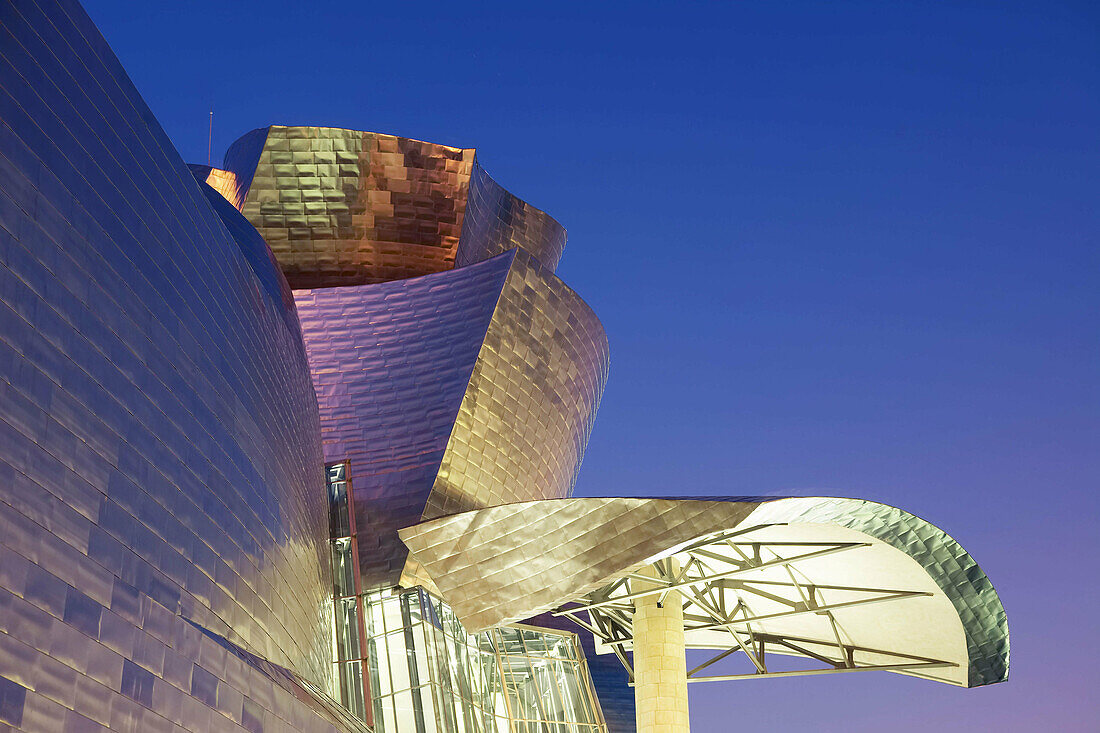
837,248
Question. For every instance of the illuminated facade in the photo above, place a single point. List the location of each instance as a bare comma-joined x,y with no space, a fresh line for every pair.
290,445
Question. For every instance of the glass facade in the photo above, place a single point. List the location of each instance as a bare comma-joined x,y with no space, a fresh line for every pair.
347,652
430,676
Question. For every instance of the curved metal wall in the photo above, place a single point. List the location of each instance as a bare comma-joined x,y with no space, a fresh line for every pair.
391,363
528,411
452,391
160,469
496,221
344,207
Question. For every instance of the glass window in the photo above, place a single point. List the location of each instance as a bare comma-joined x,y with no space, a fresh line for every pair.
432,676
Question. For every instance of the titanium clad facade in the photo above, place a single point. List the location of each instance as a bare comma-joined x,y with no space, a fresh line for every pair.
443,390
496,221
163,533
189,447
343,207
222,181
391,363
528,411
940,619
452,391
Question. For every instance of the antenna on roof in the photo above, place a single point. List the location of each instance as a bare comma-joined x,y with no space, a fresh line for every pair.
210,139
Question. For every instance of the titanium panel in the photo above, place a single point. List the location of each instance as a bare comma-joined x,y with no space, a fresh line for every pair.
223,181
505,563
493,563
531,401
496,221
944,559
452,391
159,451
156,672
241,160
391,363
343,207
258,256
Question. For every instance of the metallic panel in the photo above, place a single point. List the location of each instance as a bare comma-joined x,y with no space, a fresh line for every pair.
343,207
506,563
495,563
452,391
391,363
157,671
241,160
223,181
496,221
944,559
531,401
258,256
159,451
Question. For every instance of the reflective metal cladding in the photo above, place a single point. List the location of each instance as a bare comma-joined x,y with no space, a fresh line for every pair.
458,390
345,207
799,571
348,351
163,559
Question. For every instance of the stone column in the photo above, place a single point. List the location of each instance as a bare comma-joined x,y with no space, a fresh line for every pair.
660,666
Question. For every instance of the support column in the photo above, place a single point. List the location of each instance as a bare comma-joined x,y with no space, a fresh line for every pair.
660,665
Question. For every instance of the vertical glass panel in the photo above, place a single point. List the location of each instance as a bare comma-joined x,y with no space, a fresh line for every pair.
339,521
380,661
390,716
376,674
347,629
351,688
399,666
439,679
391,614
348,647
343,567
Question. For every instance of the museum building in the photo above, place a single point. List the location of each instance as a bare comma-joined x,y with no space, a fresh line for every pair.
290,444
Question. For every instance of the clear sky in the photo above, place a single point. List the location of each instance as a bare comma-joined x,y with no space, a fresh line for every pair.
839,248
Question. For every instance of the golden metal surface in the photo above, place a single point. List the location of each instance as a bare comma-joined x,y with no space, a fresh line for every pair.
507,563
223,181
344,207
452,391
527,414
498,564
496,221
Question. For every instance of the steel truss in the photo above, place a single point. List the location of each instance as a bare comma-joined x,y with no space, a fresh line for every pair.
715,583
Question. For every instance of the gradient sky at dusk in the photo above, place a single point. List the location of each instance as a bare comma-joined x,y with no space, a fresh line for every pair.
839,248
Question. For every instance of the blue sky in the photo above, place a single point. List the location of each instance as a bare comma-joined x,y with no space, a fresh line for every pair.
841,248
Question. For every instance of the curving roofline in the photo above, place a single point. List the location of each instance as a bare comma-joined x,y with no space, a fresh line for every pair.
538,555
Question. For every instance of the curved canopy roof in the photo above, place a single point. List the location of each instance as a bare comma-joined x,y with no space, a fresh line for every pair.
850,584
